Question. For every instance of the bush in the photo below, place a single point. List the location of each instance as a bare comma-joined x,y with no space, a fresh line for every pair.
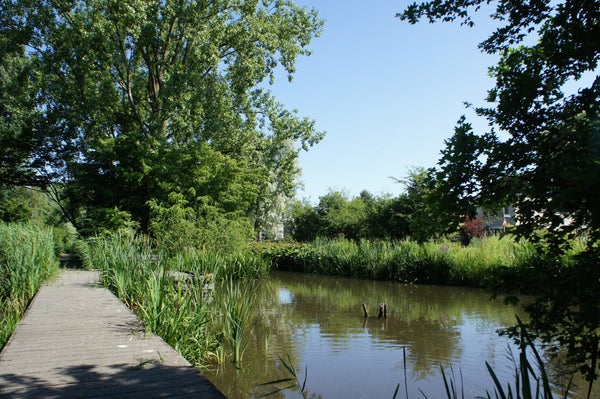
177,227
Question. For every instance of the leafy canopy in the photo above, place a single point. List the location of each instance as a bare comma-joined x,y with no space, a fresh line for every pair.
546,157
542,153
136,100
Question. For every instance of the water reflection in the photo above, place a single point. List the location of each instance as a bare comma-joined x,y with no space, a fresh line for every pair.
318,321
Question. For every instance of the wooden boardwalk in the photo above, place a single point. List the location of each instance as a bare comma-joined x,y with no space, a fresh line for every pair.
77,340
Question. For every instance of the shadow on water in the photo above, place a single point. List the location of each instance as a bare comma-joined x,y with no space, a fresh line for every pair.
146,380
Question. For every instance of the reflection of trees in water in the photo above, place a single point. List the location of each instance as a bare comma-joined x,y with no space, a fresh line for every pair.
422,318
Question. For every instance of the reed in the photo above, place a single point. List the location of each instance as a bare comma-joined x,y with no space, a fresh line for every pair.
237,302
27,259
173,295
435,262
238,264
531,381
137,275
292,382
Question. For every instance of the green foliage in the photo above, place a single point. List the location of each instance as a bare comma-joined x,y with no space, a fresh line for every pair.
368,217
19,146
178,227
173,226
173,295
546,159
445,262
24,204
421,211
67,240
304,222
413,214
134,100
26,261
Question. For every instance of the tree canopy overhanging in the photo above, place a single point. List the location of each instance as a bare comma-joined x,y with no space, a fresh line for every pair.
544,149
541,153
117,103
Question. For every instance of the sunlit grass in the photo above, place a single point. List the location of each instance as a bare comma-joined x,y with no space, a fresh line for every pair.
435,262
236,304
27,259
174,294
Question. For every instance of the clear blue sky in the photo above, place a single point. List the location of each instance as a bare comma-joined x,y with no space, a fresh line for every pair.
387,93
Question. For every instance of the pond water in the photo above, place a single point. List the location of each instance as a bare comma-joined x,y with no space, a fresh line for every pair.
318,323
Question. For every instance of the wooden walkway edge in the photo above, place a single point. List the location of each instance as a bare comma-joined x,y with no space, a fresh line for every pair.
77,340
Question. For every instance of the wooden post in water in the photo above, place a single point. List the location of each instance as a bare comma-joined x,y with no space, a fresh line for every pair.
382,310
365,310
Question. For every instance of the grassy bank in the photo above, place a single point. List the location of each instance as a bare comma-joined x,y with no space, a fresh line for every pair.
174,295
484,262
27,259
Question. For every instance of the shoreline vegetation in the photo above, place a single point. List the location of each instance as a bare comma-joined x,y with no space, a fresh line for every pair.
484,263
27,259
190,300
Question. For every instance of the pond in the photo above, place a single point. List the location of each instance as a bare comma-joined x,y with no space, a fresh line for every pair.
316,323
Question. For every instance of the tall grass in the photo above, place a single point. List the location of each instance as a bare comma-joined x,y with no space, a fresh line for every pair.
238,264
173,294
439,262
26,260
237,302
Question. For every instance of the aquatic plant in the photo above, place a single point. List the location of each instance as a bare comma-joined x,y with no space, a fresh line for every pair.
237,302
173,294
292,382
531,381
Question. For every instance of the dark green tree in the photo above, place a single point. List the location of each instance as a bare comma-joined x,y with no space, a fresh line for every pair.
546,161
140,100
340,216
418,204
304,222
386,217
18,143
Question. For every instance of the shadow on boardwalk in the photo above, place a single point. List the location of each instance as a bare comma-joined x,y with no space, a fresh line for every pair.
119,381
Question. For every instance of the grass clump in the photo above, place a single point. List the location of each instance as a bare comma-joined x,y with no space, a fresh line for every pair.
237,302
27,259
173,293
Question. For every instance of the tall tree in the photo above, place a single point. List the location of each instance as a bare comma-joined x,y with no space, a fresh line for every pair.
547,159
17,104
418,204
141,99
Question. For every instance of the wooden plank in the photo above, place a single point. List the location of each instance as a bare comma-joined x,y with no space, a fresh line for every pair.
77,340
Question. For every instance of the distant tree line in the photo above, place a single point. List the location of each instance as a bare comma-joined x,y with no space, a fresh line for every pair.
415,214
